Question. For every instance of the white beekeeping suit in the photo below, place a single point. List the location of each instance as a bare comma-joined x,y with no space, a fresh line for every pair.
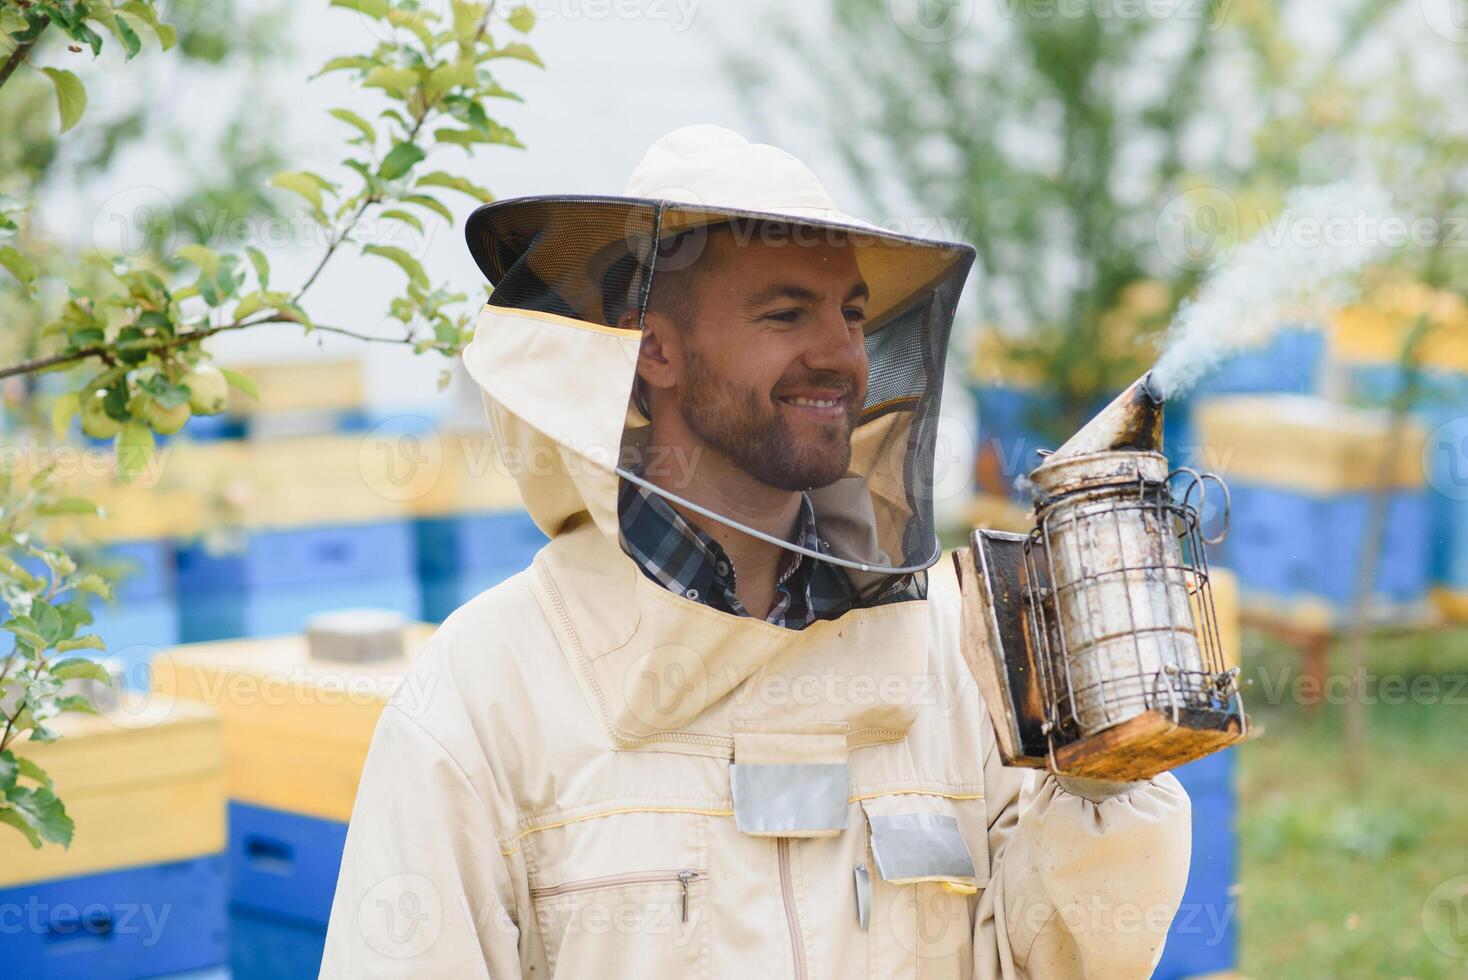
611,779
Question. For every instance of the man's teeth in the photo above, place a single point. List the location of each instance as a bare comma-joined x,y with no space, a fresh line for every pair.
815,402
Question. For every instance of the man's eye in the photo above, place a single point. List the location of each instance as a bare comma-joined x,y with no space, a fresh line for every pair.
855,315
783,316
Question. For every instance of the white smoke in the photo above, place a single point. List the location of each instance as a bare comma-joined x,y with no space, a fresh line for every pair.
1301,267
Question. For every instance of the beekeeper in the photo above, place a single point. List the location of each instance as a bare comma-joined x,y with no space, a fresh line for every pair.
721,727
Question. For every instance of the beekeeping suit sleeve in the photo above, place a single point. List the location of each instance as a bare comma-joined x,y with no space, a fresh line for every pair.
424,890
1085,877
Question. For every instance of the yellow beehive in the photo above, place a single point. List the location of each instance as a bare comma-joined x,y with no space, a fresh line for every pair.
469,476
1307,444
302,386
1451,603
296,731
143,783
1374,332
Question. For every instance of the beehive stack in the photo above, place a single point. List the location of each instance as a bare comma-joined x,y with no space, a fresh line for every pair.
1302,473
142,890
296,732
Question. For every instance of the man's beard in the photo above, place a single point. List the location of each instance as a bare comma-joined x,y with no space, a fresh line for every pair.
748,428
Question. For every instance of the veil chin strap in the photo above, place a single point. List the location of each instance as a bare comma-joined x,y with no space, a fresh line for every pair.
879,566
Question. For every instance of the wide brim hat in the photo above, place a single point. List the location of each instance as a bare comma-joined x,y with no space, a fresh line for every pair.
588,253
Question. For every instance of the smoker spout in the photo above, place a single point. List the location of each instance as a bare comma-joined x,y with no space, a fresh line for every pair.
1133,421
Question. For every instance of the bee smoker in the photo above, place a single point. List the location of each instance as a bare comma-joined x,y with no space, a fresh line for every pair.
1093,637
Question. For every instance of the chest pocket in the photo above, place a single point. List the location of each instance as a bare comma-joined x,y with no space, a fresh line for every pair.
927,860
622,895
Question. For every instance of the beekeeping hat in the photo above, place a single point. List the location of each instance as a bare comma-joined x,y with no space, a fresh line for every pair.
591,260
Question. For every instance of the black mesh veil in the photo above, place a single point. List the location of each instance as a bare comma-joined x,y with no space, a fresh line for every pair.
593,259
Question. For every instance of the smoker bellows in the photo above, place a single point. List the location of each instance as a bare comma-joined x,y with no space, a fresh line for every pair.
1093,637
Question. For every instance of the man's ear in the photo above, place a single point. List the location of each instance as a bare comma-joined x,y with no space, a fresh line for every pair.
660,358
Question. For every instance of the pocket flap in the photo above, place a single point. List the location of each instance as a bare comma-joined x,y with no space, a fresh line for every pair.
918,838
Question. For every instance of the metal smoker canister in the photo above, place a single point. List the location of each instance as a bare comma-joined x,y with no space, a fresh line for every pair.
1116,623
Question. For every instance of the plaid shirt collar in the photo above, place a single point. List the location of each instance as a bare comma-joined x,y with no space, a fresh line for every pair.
686,560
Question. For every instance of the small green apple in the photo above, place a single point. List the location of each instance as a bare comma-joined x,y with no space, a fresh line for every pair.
208,390
165,421
95,420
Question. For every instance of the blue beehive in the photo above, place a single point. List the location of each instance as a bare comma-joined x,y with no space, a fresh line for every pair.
1203,938
146,921
281,577
143,618
283,868
461,555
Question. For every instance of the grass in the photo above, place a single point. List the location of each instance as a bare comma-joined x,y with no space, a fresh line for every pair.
1335,876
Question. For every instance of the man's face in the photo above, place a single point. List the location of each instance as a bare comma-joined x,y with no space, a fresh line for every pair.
772,370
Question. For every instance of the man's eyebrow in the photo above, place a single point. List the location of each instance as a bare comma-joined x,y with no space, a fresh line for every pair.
800,294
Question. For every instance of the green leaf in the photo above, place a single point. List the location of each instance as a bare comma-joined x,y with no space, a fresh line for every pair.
68,505
125,33
90,641
340,64
413,21
81,667
43,810
14,819
134,448
440,179
167,36
31,771
75,702
249,305
431,203
47,620
397,81
451,75
62,411
261,264
241,382
26,631
71,95
9,771
302,182
368,131
402,260
376,9
400,160
519,50
19,266
522,19
202,256
93,583
407,217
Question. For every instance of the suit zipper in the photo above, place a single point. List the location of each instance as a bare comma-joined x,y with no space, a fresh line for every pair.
684,877
792,918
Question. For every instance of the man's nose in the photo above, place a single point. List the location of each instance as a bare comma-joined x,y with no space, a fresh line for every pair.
838,345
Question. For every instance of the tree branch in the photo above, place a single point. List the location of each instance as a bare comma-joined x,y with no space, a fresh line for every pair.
183,340
19,55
